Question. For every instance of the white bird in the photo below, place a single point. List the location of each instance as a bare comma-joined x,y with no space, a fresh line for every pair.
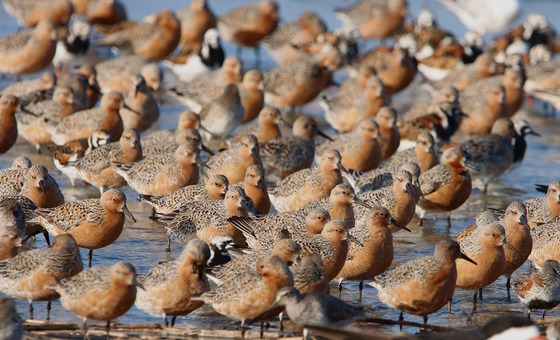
484,15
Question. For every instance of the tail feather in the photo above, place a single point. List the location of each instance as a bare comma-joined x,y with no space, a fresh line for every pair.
243,224
541,188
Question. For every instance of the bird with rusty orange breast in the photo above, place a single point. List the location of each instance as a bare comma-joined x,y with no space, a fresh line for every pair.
512,81
266,129
377,19
247,25
417,287
446,186
8,107
42,188
196,19
518,235
30,275
481,115
485,246
251,292
30,13
360,148
251,94
255,187
154,38
169,286
395,68
308,185
82,294
374,252
386,118
94,223
298,83
28,51
104,12
355,102
233,162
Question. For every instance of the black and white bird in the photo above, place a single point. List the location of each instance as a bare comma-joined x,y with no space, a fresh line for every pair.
209,57
73,46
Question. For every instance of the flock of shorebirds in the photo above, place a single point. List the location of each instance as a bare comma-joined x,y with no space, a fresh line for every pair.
270,217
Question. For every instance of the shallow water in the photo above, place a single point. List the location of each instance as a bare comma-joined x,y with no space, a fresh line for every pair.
143,243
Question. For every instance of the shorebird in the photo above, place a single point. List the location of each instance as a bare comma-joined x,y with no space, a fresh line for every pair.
378,19
94,223
75,150
398,198
424,285
360,148
28,51
491,154
9,131
485,246
446,186
206,219
196,20
214,188
97,167
83,293
315,309
307,185
233,162
169,286
154,38
164,173
540,290
31,13
247,295
30,275
247,25
373,252
141,109
103,12
286,155
262,231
